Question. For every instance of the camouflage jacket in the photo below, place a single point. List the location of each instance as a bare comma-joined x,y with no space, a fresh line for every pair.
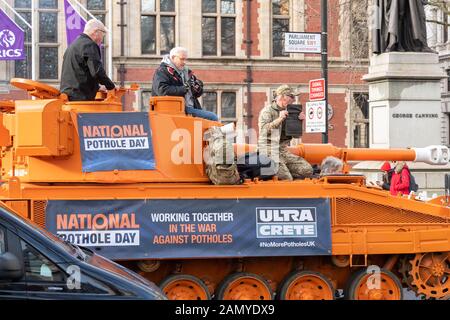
271,132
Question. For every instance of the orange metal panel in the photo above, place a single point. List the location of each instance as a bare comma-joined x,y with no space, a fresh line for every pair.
19,206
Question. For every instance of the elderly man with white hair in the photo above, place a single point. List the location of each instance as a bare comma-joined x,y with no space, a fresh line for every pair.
82,70
174,78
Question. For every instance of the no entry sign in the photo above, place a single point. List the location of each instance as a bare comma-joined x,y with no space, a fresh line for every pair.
317,90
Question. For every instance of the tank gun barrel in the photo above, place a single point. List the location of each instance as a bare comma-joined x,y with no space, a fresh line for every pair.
315,153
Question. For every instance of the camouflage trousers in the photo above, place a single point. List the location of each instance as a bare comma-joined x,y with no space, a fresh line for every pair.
293,167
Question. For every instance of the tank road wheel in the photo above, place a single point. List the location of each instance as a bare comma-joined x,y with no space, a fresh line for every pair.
431,275
184,287
244,286
367,286
306,285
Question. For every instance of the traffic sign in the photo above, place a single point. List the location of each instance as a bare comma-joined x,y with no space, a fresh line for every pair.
302,42
315,120
317,90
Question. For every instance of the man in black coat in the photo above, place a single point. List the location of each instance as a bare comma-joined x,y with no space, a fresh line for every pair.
173,78
82,69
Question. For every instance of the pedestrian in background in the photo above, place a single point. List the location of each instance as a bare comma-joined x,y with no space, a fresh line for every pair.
385,184
400,179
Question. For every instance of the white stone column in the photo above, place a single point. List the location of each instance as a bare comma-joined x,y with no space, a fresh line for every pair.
432,38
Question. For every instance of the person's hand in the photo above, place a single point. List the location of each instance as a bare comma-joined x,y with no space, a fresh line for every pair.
102,88
283,115
197,86
302,116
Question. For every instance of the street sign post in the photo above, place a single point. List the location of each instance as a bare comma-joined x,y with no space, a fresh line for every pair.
316,117
314,43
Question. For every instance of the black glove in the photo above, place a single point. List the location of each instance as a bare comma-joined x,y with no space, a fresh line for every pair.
196,85
187,87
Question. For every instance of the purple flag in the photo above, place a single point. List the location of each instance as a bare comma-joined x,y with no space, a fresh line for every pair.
74,23
12,39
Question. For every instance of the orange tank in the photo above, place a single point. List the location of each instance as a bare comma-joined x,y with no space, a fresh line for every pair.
132,186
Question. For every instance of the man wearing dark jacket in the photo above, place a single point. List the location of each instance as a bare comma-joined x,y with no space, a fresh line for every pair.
82,70
173,78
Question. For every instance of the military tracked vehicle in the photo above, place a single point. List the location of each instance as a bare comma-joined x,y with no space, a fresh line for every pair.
132,187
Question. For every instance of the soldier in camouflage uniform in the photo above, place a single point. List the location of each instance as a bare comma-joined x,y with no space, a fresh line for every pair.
273,141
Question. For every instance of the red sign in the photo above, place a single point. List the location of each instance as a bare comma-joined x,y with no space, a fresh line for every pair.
317,90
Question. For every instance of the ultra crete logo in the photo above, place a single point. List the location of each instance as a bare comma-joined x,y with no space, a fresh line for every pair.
286,223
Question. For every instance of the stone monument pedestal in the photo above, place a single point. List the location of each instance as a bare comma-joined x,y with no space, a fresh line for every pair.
405,111
405,100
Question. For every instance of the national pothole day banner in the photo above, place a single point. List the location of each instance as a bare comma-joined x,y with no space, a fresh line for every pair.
187,228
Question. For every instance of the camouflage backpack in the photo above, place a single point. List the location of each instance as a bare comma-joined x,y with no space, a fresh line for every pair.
219,157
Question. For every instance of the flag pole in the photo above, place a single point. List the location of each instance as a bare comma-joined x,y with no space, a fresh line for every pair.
110,40
17,14
33,40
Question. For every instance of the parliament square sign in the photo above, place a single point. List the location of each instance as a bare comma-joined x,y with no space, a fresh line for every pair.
302,42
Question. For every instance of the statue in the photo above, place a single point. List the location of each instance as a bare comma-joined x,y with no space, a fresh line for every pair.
401,27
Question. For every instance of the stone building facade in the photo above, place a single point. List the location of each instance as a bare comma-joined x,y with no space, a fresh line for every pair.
235,47
438,39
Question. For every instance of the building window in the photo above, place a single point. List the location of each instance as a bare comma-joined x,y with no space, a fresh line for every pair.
360,115
219,27
98,9
93,5
448,80
48,39
445,25
280,25
48,42
22,68
48,4
222,103
157,26
48,24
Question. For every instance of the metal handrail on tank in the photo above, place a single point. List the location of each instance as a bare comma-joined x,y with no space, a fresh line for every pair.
43,91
